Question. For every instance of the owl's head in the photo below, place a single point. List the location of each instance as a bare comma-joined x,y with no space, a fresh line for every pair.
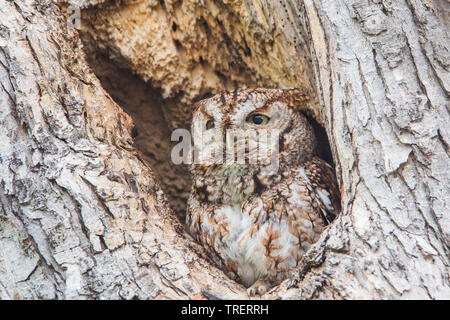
268,120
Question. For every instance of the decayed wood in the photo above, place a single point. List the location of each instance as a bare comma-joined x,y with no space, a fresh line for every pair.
82,216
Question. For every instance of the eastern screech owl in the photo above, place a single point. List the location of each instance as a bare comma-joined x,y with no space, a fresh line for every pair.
257,224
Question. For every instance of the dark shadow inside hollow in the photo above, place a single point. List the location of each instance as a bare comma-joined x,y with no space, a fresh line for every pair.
324,149
145,105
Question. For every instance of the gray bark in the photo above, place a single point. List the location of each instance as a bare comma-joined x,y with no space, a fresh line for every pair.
382,70
82,216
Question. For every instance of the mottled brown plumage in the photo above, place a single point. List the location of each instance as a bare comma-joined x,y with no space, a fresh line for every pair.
258,224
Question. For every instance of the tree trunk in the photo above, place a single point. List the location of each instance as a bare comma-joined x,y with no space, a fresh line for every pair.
86,209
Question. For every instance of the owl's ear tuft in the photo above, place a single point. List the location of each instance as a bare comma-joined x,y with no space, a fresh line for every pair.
303,101
297,98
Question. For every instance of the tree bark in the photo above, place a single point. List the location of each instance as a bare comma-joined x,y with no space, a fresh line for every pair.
82,214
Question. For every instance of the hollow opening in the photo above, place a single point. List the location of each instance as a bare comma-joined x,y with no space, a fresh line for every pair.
152,131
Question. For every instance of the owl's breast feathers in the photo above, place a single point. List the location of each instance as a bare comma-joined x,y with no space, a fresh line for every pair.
266,233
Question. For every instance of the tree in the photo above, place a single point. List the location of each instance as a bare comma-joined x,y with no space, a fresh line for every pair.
85,211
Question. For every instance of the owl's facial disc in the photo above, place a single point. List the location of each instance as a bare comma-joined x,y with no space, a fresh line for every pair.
246,135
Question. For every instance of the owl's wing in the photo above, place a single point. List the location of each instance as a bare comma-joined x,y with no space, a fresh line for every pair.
322,178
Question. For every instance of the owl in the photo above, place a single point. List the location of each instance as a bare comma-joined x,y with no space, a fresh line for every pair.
260,198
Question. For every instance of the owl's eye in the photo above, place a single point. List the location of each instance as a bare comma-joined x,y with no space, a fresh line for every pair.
258,119
209,124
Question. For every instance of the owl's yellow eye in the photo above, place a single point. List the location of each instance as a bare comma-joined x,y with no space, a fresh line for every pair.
209,124
258,119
